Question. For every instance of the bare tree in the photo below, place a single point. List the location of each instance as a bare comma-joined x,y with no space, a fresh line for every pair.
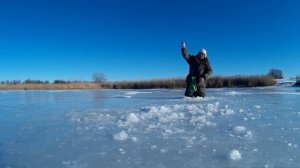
99,78
275,73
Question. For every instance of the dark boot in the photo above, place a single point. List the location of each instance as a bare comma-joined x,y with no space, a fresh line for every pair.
188,94
200,89
188,89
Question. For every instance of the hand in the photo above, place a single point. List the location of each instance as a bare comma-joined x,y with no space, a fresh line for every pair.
201,80
183,44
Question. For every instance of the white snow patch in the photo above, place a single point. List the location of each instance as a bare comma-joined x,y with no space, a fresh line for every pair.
194,99
257,106
122,96
234,93
134,92
121,136
235,155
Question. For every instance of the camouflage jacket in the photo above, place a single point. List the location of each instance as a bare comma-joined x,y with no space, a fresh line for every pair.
198,67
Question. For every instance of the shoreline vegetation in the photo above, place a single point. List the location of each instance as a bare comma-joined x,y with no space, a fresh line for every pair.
298,82
214,82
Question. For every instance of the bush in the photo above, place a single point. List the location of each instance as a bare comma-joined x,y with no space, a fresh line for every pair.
276,73
99,78
298,80
60,81
29,81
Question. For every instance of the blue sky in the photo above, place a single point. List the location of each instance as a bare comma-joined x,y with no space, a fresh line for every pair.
133,40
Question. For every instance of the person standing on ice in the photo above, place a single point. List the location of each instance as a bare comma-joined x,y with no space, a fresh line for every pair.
199,71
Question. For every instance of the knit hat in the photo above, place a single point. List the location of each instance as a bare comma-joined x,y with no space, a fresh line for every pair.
203,51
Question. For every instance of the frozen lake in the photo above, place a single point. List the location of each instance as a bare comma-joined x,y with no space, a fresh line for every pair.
255,127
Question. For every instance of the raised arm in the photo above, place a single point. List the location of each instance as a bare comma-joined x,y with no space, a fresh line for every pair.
184,52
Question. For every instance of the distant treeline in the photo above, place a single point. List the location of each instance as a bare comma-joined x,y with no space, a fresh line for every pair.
214,82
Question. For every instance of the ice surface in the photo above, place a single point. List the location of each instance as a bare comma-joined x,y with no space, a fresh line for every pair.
256,127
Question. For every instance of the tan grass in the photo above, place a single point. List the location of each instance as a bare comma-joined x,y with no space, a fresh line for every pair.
65,86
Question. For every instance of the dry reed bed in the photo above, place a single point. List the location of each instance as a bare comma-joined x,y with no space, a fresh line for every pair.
214,82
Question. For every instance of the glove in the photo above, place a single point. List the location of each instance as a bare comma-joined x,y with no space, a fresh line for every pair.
183,44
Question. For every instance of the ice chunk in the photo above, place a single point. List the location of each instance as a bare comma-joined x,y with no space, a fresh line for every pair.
122,151
242,131
228,112
212,107
121,136
235,155
132,118
134,139
239,129
248,134
153,147
163,150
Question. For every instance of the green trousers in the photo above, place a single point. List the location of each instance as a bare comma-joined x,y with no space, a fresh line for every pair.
194,88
